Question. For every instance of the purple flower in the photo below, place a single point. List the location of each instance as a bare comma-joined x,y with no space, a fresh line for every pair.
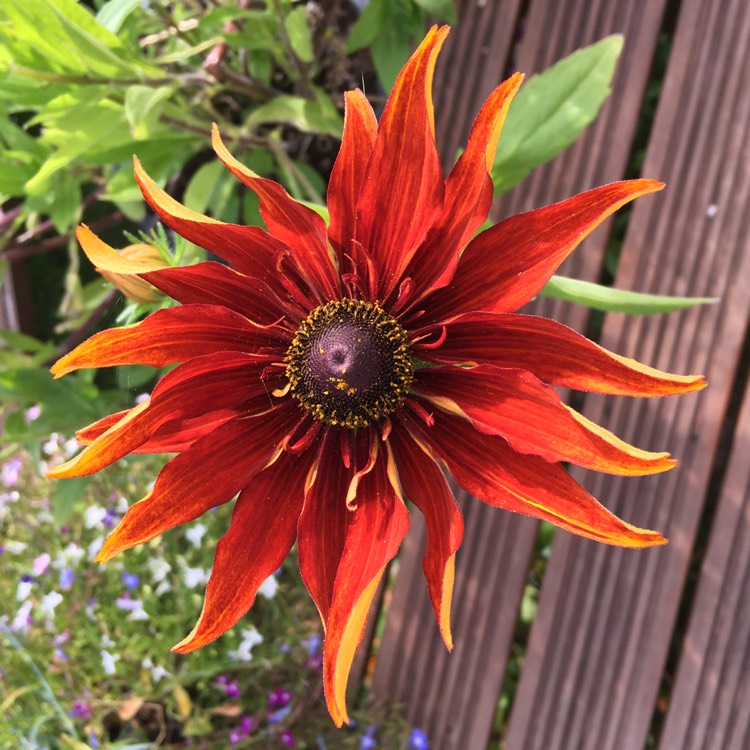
286,739
67,576
367,740
11,472
247,724
80,710
278,716
312,644
418,740
130,580
278,698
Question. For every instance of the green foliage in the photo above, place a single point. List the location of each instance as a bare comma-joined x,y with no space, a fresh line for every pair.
606,298
391,28
552,109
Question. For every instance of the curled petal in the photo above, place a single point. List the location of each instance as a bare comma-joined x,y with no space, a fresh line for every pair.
402,192
372,539
186,487
555,354
260,535
249,250
360,129
201,386
468,194
486,467
167,336
532,418
424,484
301,229
505,266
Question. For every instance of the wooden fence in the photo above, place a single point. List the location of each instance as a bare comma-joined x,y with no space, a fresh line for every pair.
628,649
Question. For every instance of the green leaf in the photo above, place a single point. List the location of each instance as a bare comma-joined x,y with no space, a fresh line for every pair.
552,109
445,10
202,186
143,107
299,34
402,25
66,494
617,300
367,27
113,13
310,116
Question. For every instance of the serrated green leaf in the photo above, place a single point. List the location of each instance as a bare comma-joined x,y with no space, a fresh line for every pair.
608,299
552,109
298,32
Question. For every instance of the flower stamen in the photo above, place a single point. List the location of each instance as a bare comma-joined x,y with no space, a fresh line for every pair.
349,364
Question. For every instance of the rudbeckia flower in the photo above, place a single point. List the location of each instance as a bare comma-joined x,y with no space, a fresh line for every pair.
330,374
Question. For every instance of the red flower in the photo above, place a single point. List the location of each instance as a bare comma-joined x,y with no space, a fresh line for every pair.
330,373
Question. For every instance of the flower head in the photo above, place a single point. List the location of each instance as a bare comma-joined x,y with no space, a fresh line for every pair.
330,373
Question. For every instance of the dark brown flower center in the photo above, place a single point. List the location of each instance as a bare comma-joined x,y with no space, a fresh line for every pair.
349,363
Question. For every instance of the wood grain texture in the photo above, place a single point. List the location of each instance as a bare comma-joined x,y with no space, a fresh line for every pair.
606,616
453,697
710,703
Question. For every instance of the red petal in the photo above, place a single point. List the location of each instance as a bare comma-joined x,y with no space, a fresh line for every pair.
203,385
373,537
211,472
168,336
468,194
250,250
360,129
424,484
554,353
301,229
261,533
214,284
402,192
505,266
532,418
486,467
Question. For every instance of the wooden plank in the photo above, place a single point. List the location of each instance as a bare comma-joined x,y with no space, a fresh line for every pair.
710,702
600,639
454,697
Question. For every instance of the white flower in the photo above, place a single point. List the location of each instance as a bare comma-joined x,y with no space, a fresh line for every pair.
195,533
68,557
162,588
269,587
122,505
14,547
93,516
94,547
159,568
21,620
250,638
157,673
52,445
194,577
134,607
47,605
33,413
109,661
70,447
23,590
